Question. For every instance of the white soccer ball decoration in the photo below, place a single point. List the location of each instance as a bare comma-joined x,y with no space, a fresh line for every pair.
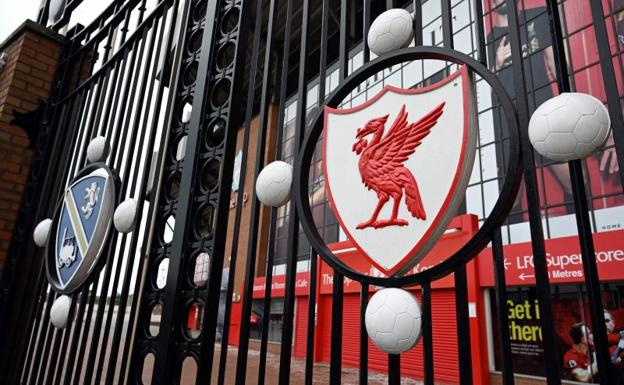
125,216
98,149
42,232
273,183
391,30
56,10
393,320
59,313
569,126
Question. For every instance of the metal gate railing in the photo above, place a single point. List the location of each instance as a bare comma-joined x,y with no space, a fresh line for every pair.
132,78
113,85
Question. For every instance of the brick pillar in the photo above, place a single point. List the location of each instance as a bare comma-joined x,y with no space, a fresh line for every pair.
31,55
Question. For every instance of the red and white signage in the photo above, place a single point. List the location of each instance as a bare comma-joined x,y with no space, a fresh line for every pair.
563,257
459,231
278,285
397,168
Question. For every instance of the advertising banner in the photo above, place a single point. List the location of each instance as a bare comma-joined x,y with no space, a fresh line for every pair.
573,332
540,81
564,259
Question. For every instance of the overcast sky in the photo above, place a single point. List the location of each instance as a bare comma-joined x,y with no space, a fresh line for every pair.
13,13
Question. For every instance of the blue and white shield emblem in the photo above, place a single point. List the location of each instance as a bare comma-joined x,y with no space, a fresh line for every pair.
81,229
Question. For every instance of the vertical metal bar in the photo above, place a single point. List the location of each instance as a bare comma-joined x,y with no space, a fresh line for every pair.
78,368
363,377
70,360
218,244
37,314
463,325
91,361
141,270
81,132
53,335
112,360
592,282
309,361
389,4
128,185
335,364
72,326
293,225
284,76
343,57
239,208
101,97
266,310
46,335
418,24
29,365
366,22
532,193
48,370
163,369
76,107
394,369
501,307
139,312
273,222
51,332
61,338
581,211
427,335
608,78
447,24
238,216
323,53
116,129
480,32
254,214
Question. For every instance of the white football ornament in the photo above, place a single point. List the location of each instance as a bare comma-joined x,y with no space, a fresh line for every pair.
569,126
391,30
59,313
98,149
42,232
56,10
125,216
273,183
393,320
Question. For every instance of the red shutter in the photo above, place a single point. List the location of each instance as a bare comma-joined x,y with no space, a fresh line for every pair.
351,330
324,328
301,327
445,358
445,353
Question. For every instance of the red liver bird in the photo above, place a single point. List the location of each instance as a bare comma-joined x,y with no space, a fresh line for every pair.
381,163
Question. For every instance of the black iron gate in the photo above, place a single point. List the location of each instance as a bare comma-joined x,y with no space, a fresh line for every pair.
169,84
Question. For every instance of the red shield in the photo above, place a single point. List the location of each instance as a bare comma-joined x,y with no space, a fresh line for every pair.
397,168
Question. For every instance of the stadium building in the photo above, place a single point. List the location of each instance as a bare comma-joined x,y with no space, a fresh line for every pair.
259,239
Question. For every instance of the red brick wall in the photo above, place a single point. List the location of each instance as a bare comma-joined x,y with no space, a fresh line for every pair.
265,212
25,80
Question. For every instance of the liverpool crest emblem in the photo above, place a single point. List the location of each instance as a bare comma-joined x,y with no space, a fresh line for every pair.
397,168
80,228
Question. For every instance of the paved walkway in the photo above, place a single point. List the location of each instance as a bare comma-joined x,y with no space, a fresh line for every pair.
321,372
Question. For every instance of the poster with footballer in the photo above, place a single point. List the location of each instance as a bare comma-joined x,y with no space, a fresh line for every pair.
397,167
